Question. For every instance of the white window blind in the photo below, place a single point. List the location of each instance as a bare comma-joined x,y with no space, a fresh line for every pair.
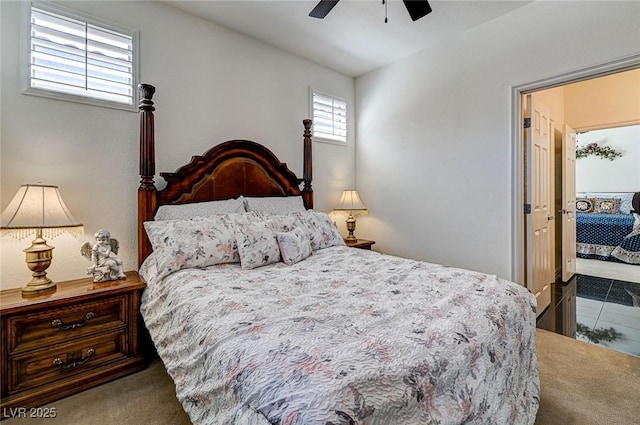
79,57
329,117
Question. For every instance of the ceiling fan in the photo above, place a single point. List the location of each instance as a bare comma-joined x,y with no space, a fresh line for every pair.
416,8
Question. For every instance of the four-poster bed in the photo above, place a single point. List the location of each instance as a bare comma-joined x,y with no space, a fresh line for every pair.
228,170
315,333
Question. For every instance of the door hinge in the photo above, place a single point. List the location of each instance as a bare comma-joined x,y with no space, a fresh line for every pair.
527,208
527,123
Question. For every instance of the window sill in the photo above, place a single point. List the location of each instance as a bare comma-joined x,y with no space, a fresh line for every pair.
329,141
80,99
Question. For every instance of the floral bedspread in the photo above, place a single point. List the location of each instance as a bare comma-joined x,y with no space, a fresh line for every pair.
347,336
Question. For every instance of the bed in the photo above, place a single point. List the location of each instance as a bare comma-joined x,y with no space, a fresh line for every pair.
608,226
321,333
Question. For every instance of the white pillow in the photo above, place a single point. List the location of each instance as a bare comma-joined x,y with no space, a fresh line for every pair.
200,242
626,199
199,209
257,244
275,204
294,246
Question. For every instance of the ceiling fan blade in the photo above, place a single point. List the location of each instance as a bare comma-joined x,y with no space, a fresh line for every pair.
323,8
417,8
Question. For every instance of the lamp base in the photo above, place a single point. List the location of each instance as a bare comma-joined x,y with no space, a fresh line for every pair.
39,286
38,259
351,227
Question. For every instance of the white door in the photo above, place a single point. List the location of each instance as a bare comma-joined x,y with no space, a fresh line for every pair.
568,203
540,244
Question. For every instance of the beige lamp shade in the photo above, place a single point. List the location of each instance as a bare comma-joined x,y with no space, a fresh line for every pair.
38,206
350,201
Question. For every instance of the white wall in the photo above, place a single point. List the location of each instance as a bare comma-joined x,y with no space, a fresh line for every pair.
212,85
595,174
434,146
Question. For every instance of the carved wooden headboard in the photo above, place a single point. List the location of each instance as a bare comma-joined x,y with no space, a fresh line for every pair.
227,170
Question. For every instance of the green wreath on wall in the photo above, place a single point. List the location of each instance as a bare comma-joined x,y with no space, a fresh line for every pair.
604,152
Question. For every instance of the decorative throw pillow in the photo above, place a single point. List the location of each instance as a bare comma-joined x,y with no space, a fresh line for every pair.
199,209
584,205
257,244
607,205
320,229
275,204
282,222
200,242
626,199
294,246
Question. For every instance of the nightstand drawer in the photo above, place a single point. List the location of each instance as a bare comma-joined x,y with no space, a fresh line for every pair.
39,367
32,331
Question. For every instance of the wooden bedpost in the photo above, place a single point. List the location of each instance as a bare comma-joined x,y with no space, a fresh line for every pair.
147,190
307,171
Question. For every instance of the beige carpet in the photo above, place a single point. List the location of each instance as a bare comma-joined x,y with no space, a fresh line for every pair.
586,384
581,384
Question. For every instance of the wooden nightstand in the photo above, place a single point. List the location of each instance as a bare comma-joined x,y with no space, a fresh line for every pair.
61,343
360,243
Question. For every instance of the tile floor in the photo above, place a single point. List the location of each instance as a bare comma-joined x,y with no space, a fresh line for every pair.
610,269
608,313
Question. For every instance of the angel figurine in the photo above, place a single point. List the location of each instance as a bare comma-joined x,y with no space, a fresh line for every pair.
104,266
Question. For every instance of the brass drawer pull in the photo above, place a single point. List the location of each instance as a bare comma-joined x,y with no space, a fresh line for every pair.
59,363
57,323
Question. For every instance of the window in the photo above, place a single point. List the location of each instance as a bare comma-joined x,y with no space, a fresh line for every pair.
73,57
329,116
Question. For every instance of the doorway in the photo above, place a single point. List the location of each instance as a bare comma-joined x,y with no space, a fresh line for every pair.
519,257
523,260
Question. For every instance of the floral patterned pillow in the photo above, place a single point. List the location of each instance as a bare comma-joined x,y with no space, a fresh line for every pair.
199,242
282,222
257,244
320,229
294,246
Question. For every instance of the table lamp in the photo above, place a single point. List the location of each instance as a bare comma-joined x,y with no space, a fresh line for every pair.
350,201
38,208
